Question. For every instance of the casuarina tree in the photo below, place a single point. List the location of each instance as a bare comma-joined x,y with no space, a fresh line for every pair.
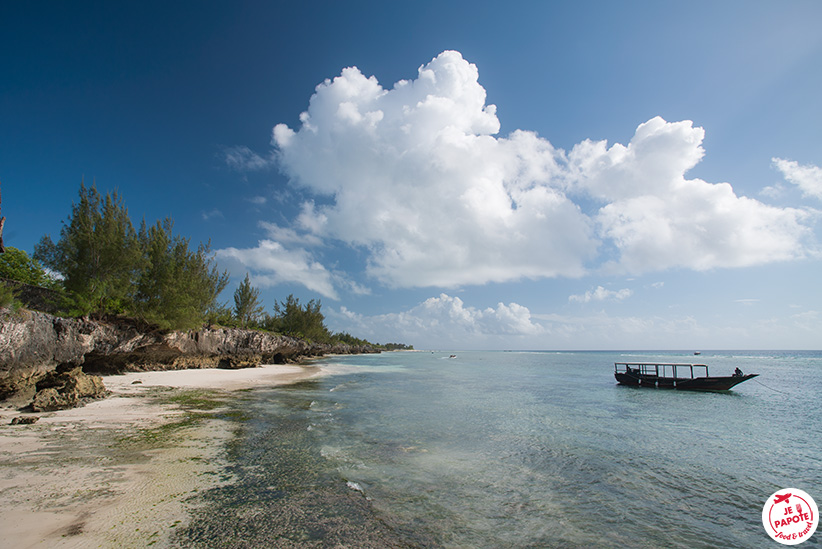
98,254
247,304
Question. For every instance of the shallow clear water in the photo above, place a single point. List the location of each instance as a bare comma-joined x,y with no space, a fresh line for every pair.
517,449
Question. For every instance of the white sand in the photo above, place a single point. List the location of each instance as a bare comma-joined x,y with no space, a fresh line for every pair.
84,478
213,378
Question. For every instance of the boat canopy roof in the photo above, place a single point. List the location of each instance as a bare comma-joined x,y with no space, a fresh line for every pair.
658,364
674,370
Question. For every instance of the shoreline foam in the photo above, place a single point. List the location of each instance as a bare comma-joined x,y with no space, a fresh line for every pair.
84,477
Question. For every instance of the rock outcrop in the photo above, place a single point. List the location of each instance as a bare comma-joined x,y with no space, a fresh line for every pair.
66,387
24,420
50,361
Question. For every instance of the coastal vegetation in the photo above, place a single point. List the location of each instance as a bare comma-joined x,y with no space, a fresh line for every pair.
16,266
102,267
247,305
109,268
295,320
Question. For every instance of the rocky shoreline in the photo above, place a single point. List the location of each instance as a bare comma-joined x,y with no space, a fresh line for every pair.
50,363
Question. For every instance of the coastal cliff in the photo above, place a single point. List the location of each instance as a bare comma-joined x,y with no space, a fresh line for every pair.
51,362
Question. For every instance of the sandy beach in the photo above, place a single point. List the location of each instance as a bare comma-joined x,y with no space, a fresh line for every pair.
120,472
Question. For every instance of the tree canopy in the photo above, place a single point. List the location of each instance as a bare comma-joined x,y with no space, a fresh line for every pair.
176,287
97,253
17,265
109,268
293,319
247,304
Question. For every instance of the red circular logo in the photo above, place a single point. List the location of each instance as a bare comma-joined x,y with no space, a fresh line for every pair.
790,516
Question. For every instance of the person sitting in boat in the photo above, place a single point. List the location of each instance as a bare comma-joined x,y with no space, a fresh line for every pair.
738,373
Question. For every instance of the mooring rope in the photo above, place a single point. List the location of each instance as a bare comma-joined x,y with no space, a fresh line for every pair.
771,388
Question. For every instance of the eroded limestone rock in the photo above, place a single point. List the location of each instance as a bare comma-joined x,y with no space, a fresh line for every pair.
66,387
46,360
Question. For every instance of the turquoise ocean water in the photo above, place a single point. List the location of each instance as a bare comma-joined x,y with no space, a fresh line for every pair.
516,449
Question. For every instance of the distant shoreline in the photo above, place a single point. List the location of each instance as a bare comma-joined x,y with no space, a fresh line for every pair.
119,471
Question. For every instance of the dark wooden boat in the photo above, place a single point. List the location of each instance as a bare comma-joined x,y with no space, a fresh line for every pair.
674,376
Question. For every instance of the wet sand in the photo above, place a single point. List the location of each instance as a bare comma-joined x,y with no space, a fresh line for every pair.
120,472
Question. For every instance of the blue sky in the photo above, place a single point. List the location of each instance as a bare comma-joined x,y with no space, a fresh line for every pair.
538,175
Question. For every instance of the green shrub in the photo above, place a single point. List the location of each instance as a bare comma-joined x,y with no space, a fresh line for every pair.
7,298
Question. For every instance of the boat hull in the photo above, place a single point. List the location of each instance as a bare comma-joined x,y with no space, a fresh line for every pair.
684,384
713,383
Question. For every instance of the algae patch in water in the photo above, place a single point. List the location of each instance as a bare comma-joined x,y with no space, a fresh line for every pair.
194,406
197,399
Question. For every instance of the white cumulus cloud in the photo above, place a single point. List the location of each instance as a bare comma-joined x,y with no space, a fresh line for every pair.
274,264
601,294
658,219
417,177
807,178
443,321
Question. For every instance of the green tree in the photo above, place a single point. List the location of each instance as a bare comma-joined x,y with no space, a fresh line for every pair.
98,254
178,287
8,299
108,267
221,315
305,321
17,265
247,304
398,347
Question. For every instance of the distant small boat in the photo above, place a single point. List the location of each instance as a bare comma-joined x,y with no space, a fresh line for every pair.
697,353
675,376
453,356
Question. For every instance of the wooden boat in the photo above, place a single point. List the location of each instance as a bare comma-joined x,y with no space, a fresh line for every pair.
674,376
